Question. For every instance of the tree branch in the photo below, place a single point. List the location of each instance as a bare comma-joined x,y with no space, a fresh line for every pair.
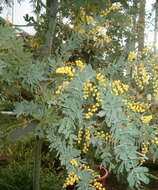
43,5
7,112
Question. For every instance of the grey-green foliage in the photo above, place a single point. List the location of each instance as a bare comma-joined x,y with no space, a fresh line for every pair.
26,108
123,156
33,74
74,42
125,134
66,153
62,135
20,75
61,117
19,72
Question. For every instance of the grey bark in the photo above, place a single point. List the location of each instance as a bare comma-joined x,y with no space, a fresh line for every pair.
135,6
52,16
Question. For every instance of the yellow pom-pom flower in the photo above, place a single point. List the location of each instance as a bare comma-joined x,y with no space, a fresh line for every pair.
131,56
146,119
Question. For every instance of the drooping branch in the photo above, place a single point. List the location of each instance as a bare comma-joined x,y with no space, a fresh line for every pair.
43,5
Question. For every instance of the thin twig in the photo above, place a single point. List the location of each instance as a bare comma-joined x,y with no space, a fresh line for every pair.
7,112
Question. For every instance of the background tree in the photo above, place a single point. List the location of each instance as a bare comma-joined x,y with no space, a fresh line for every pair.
141,25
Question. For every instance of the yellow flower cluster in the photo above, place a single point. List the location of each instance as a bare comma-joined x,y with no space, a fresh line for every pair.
138,82
89,19
101,79
91,110
82,13
155,88
34,43
62,87
142,161
155,140
79,136
101,38
66,70
139,107
144,150
131,56
71,179
107,11
97,185
141,77
102,134
87,140
80,64
74,163
81,30
90,89
86,168
99,34
68,63
98,98
146,119
144,51
77,63
152,141
155,79
143,73
118,88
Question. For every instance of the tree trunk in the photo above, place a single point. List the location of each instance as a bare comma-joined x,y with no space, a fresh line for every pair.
52,6
141,25
37,164
133,36
135,6
156,27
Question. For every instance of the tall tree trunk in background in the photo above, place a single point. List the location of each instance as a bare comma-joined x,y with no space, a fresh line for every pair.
134,28
133,39
156,27
52,8
141,25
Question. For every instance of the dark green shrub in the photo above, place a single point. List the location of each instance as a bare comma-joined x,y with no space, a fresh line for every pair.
19,177
16,177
